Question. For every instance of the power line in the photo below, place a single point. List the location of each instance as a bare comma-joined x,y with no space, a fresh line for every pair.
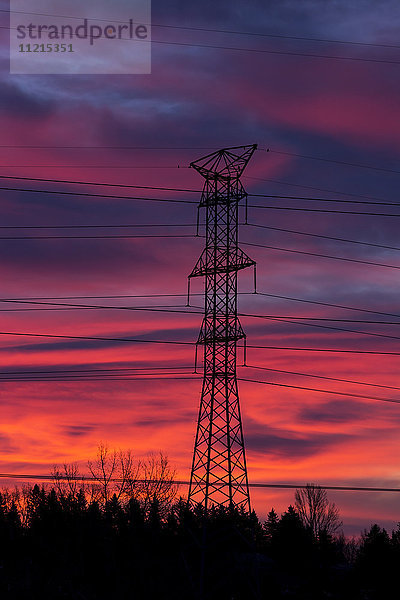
386,314
184,295
93,370
192,236
307,318
184,482
276,52
97,147
69,166
107,373
90,226
138,370
77,378
323,210
117,226
96,338
92,195
271,35
325,237
342,329
267,317
120,236
337,162
308,389
382,203
255,50
96,237
339,488
316,254
160,188
174,309
318,189
104,296
270,196
103,184
144,225
334,350
390,387
279,319
234,32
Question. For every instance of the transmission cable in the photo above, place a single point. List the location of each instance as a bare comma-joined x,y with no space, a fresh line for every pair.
318,189
337,162
257,347
227,31
180,309
95,370
95,237
108,226
333,350
318,255
363,202
183,482
184,295
93,195
180,201
386,314
330,327
297,387
79,379
324,237
192,236
95,379
323,210
134,186
390,387
253,50
156,225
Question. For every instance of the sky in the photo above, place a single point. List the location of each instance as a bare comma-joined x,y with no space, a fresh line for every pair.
319,116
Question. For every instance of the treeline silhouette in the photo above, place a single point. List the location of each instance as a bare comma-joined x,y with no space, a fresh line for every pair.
61,544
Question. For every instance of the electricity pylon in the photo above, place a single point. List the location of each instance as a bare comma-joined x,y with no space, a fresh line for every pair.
219,472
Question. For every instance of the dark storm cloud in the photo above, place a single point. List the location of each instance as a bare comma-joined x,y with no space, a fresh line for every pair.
288,444
16,101
78,430
336,411
6,445
156,421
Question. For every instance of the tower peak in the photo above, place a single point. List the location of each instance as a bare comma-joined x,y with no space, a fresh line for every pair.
226,163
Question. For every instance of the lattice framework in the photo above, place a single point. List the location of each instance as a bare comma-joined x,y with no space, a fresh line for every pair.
219,471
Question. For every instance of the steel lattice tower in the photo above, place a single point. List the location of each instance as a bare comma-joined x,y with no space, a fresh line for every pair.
219,472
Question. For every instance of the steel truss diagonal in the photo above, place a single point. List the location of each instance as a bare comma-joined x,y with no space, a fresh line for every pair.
219,472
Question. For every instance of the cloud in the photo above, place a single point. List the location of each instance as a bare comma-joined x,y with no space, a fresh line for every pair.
7,445
78,430
335,411
15,101
289,445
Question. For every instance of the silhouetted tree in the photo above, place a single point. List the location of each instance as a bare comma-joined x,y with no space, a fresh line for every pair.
157,481
271,524
67,546
315,510
376,549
